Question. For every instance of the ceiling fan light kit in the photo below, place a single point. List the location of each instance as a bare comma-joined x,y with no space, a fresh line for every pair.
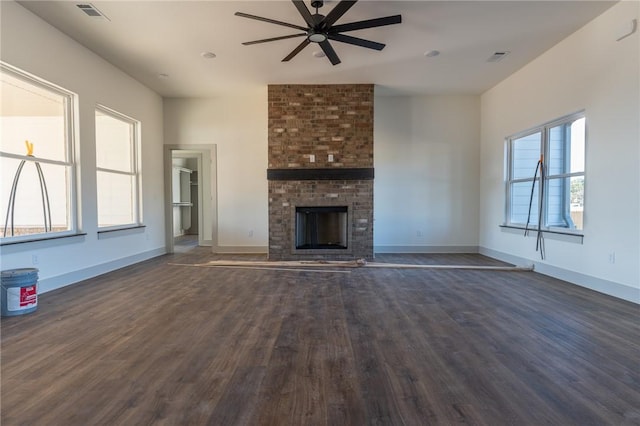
320,28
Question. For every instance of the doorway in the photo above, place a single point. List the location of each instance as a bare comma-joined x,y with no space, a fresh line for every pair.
190,191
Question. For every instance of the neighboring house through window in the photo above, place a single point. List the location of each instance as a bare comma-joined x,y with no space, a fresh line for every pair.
118,169
36,157
560,147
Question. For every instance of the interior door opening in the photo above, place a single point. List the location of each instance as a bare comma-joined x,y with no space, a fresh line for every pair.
190,194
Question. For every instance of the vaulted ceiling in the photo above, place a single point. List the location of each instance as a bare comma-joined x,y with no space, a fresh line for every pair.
161,43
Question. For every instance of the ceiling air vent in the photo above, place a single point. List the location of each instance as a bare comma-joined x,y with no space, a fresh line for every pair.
91,10
497,57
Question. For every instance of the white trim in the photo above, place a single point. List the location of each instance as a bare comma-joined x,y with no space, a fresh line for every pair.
204,153
600,285
425,249
544,131
118,231
136,165
35,159
53,283
549,233
71,141
52,240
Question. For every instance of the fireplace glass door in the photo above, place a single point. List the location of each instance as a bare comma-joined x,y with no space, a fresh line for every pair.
321,227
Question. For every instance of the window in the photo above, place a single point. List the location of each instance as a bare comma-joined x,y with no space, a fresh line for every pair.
118,170
558,202
36,158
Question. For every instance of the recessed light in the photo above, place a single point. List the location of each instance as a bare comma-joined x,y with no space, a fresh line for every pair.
319,54
431,53
208,55
162,76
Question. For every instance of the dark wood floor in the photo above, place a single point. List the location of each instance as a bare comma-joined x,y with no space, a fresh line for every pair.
162,344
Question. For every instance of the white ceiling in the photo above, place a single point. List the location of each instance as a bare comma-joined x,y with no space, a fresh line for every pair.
145,38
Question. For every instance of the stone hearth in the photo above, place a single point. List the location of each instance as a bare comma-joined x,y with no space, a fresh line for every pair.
320,155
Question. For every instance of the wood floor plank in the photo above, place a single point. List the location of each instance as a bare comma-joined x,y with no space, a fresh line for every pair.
156,343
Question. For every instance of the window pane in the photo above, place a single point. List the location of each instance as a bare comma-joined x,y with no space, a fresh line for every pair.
566,148
113,143
29,210
557,203
115,199
565,201
525,153
520,196
576,207
29,112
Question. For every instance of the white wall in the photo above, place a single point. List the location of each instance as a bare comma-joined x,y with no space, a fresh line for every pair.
29,43
426,190
237,125
589,70
426,154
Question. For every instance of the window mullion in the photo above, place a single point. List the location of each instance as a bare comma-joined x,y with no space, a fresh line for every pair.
565,175
35,159
119,172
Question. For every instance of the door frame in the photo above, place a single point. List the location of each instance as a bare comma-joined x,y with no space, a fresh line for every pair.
207,187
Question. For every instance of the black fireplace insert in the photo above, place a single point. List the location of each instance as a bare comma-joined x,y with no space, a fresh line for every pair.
321,227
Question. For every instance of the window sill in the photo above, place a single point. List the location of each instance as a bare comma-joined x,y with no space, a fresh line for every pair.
571,237
43,241
117,232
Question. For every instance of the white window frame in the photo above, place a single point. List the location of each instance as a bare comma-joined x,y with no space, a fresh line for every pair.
135,170
544,150
72,186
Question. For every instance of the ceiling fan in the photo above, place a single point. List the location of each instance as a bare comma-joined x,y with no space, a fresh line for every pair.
320,28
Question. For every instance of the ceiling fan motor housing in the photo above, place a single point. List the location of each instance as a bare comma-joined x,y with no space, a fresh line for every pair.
317,4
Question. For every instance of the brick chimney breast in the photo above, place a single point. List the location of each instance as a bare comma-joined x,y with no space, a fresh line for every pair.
320,127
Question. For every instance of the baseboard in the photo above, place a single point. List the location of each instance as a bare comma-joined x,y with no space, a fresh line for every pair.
240,249
425,249
53,283
610,288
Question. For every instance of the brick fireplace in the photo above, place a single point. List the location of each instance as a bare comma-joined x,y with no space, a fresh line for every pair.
320,172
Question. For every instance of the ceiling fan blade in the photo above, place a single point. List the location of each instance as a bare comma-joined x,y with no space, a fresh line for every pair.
357,41
306,15
331,54
271,21
297,50
337,12
248,43
369,23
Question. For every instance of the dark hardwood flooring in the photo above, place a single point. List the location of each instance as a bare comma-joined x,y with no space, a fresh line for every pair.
156,343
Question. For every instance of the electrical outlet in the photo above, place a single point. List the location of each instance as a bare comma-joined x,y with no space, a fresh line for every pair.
612,257
250,233
330,158
34,259
418,233
312,158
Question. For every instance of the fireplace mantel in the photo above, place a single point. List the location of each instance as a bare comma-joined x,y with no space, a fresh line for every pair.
343,173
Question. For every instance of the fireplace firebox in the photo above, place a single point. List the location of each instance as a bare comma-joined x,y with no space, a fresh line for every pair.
321,227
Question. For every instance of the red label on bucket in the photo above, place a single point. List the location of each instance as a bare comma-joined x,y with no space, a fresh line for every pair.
19,298
28,296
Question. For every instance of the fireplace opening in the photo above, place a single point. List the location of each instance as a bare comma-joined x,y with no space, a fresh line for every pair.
321,227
